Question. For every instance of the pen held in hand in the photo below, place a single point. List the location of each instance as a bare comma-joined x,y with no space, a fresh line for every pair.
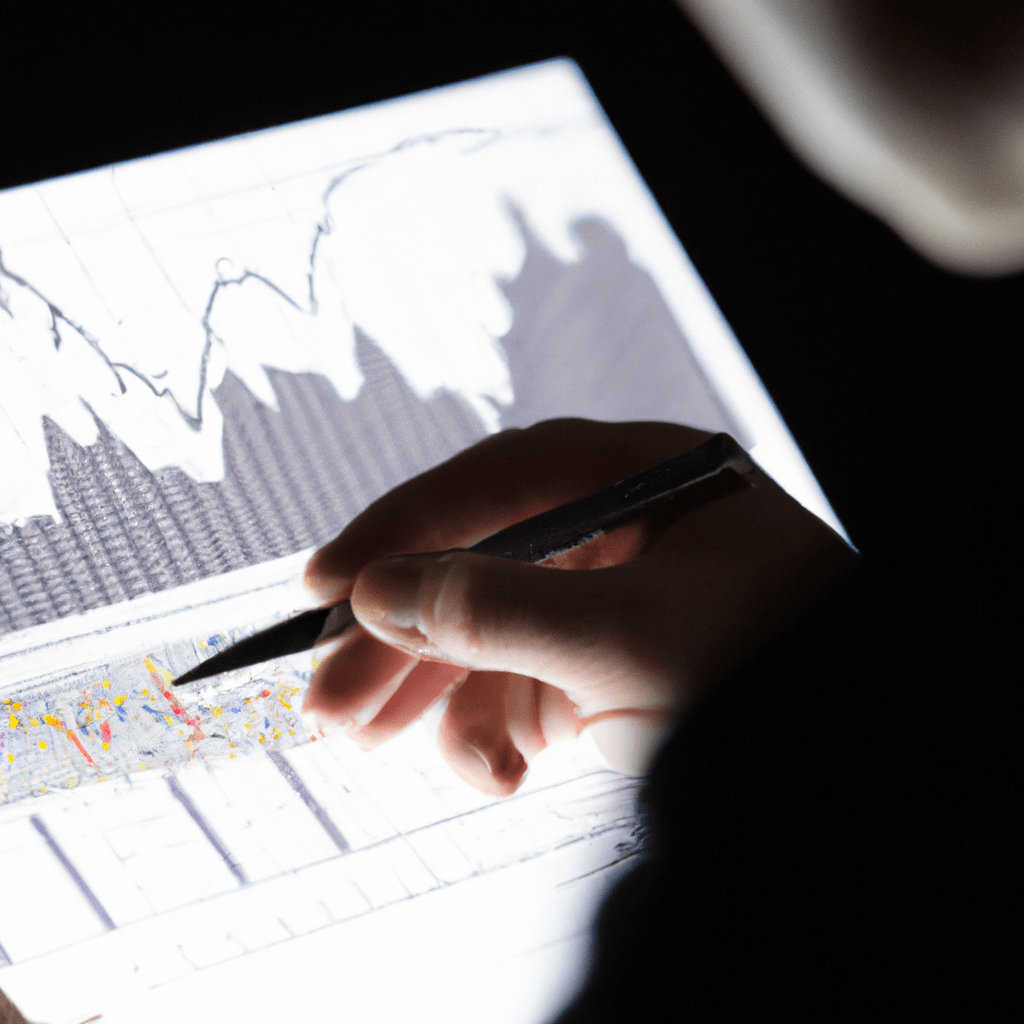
536,539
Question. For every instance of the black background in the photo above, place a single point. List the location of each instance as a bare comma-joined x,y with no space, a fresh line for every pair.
895,377
859,341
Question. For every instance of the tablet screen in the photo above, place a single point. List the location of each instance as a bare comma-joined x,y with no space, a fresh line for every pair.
210,361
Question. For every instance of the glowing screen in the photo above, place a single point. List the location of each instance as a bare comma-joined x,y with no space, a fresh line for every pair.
210,361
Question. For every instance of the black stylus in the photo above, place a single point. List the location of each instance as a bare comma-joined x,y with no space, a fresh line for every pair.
533,540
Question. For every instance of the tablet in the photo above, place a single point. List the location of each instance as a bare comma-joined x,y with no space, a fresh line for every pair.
210,361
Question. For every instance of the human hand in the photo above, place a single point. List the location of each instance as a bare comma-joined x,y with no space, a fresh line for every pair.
619,638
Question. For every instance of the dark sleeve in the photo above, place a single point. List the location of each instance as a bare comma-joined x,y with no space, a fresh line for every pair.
811,847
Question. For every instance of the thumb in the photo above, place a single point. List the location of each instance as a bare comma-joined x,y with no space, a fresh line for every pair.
579,630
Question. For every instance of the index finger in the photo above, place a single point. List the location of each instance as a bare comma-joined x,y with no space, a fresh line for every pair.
501,480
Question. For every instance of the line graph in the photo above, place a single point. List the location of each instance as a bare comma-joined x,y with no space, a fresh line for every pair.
210,361
299,457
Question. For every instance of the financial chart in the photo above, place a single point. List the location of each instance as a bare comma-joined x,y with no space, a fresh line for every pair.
210,361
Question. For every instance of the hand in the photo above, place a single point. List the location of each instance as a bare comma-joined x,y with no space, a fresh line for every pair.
619,638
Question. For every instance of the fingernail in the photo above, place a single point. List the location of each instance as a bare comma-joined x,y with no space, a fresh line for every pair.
386,601
319,725
322,583
507,764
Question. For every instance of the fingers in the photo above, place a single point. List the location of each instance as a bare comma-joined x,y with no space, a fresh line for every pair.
581,631
496,722
476,733
645,635
361,675
427,683
501,480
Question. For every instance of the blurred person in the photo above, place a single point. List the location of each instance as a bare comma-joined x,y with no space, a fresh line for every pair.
807,843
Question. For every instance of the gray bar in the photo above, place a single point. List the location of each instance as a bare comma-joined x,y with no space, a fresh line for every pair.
204,826
83,885
309,800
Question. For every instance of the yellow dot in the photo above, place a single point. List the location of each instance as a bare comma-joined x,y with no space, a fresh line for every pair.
13,723
106,684
17,705
42,744
120,700
106,746
10,757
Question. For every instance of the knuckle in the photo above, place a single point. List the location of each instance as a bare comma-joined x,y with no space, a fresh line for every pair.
450,607
464,605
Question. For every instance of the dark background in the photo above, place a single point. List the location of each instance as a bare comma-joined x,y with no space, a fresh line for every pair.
895,377
860,342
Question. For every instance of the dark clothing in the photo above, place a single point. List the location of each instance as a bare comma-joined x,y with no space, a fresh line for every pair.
831,832
819,837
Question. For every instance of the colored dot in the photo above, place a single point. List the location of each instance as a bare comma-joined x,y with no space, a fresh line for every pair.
17,705
10,757
42,744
